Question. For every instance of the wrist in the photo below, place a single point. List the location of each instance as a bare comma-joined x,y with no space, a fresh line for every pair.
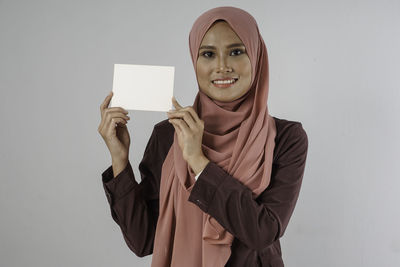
119,161
198,164
119,158
118,166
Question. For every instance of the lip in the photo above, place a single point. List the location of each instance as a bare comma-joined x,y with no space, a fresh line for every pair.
224,85
225,78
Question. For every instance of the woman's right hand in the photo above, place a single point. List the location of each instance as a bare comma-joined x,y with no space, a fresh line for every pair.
113,129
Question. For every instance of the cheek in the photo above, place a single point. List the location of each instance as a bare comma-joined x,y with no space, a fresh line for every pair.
245,66
202,76
202,72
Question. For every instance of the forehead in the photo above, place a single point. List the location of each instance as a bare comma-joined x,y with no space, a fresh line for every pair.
220,32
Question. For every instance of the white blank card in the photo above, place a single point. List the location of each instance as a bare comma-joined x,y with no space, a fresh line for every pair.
143,87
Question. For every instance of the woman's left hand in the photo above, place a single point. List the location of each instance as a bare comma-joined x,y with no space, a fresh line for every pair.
189,128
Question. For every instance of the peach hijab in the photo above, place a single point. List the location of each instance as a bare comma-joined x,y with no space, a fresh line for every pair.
239,137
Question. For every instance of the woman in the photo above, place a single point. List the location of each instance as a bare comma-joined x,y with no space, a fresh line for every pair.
220,179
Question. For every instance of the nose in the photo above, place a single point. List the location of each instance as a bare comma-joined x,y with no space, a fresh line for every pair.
222,66
224,69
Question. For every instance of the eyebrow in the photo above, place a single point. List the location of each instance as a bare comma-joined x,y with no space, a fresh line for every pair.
213,47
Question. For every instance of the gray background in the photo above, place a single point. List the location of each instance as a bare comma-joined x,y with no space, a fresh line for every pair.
334,67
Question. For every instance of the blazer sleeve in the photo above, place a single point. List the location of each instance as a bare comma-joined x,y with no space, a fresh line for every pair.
135,207
255,222
197,176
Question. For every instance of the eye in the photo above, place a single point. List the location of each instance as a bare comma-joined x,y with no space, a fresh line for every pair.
241,51
206,53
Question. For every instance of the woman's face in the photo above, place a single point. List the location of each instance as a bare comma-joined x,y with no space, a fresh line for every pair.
223,55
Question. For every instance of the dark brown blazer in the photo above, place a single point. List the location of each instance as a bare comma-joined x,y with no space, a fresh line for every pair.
257,224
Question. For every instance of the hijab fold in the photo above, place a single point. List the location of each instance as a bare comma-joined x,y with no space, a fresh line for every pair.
239,136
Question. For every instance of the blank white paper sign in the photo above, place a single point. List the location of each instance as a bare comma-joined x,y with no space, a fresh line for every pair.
143,87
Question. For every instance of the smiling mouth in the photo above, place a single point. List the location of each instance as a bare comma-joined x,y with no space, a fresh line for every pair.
225,82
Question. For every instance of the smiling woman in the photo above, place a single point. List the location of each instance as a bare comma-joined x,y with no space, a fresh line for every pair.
221,177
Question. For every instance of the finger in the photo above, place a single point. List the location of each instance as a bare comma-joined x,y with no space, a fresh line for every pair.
186,116
116,114
175,103
119,109
106,101
176,126
113,124
112,112
193,113
183,126
115,121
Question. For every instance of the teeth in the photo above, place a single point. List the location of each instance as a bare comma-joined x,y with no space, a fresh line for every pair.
224,82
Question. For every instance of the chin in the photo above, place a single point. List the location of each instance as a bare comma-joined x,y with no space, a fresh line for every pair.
224,99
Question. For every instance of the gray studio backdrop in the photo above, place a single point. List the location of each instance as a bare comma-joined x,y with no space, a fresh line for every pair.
334,67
